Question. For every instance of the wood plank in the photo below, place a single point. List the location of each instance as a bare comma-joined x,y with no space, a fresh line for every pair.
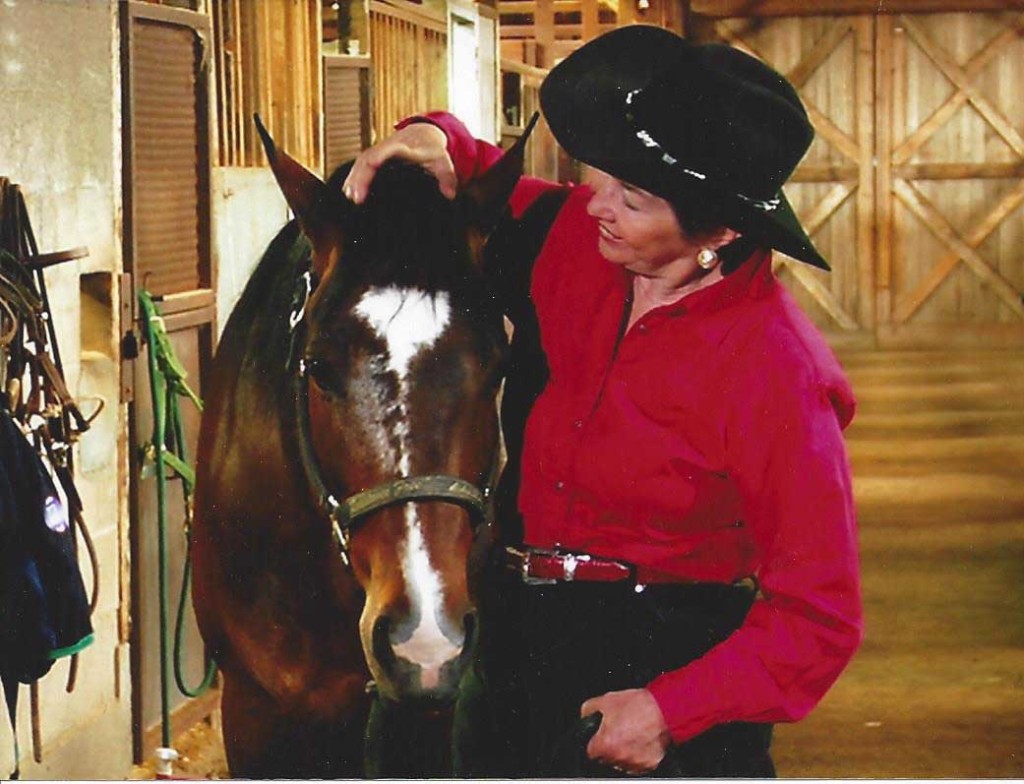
722,9
940,227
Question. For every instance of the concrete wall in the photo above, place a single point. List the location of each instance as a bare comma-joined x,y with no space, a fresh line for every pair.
248,210
60,140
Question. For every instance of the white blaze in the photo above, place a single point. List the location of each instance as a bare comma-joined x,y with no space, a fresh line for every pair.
410,321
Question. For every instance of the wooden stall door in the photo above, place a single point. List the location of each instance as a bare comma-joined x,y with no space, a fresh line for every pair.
830,62
167,252
347,109
950,218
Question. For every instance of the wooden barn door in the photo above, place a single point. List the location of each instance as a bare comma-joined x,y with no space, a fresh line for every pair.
951,154
167,252
913,187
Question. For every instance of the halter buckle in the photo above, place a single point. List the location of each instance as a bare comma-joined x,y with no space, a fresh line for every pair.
341,533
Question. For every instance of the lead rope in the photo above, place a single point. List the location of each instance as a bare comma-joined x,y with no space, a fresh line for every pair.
166,449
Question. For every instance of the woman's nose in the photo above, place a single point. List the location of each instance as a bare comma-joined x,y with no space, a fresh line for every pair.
600,205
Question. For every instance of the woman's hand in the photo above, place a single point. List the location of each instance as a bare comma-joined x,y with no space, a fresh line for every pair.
421,143
633,736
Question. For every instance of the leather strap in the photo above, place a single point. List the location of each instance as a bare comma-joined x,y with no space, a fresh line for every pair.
545,567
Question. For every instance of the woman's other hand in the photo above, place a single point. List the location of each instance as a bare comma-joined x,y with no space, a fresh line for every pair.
633,736
419,142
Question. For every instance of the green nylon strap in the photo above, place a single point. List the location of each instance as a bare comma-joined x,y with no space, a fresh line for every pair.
167,379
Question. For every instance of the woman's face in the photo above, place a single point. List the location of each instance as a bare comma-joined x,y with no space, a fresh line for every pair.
637,230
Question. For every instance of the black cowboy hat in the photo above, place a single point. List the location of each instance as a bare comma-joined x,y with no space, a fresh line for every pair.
685,120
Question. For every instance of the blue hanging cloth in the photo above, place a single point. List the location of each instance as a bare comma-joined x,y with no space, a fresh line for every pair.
44,609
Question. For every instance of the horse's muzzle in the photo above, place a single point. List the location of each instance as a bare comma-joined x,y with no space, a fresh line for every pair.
421,661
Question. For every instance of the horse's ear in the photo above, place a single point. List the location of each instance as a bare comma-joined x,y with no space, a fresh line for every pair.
303,190
487,195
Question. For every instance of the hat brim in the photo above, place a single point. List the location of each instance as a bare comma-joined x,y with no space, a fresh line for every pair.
584,103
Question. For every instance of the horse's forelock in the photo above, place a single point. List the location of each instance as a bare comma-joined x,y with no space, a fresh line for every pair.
405,234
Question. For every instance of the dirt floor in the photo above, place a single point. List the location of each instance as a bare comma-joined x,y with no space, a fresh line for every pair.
937,690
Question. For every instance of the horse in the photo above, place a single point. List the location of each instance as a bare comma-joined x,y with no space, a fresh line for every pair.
347,445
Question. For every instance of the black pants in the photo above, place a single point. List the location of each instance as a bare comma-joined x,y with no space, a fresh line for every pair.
547,649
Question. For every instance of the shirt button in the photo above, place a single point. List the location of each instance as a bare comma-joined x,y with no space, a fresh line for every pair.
578,424
642,328
559,485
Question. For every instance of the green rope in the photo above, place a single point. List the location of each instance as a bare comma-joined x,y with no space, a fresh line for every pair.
165,450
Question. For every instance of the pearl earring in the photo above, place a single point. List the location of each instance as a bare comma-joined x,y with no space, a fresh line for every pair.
707,258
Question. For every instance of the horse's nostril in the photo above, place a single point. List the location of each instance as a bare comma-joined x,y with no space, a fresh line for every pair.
382,649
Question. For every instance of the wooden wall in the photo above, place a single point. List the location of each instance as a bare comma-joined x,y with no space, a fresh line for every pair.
913,186
409,48
267,60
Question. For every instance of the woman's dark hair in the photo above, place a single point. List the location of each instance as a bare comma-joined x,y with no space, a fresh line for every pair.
699,216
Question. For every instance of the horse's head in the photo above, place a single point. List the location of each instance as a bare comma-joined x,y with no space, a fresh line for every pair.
398,359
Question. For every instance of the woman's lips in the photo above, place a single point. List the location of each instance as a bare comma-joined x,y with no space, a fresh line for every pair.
608,234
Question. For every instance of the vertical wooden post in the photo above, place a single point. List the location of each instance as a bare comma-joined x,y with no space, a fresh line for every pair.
883,104
864,93
544,31
590,19
627,12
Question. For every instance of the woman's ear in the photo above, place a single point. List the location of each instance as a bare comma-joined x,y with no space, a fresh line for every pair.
721,237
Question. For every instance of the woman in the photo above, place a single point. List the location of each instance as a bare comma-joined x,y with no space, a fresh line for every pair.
688,567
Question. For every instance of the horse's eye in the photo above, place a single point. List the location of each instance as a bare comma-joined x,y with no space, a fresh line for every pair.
324,374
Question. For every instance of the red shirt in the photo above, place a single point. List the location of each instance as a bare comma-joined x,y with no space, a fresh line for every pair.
704,444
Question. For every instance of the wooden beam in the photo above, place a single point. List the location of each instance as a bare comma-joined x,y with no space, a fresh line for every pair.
811,281
721,9
819,53
825,172
825,207
991,170
530,6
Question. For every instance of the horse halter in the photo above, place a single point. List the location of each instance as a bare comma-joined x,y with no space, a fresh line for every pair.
345,514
